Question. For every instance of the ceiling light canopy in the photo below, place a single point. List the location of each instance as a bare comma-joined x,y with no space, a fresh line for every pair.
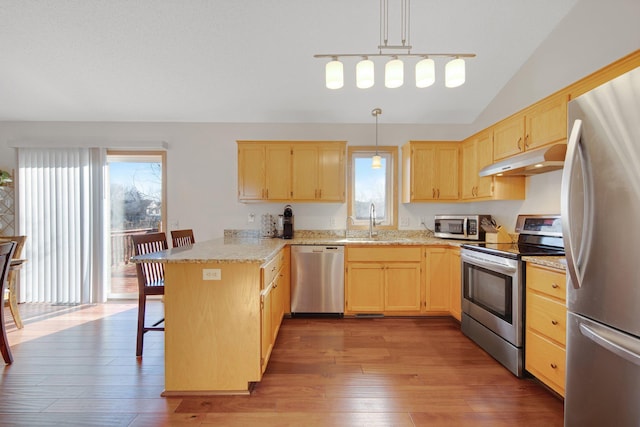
425,73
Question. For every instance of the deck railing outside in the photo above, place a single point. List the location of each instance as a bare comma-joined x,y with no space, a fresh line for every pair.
122,245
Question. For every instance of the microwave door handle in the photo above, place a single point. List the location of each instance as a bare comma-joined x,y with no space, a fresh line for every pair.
500,268
465,226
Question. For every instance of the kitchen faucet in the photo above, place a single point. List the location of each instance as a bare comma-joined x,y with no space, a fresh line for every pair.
346,227
372,219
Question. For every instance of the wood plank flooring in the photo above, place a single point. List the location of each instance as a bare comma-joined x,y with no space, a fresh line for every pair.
80,369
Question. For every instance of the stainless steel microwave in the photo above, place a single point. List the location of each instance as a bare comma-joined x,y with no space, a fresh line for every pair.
464,227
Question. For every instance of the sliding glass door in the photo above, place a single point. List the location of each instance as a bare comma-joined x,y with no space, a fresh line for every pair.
136,205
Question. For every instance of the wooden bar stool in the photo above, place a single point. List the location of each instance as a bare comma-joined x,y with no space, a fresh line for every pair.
150,279
14,269
6,252
182,237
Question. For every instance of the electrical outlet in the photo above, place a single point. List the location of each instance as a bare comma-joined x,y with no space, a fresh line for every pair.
174,224
404,222
423,221
211,274
251,218
332,221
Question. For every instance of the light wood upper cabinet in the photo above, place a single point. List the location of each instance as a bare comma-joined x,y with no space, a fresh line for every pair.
277,167
431,171
251,172
309,171
477,152
508,137
546,122
541,124
318,172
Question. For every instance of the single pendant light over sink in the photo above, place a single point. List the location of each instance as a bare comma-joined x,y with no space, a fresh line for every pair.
376,161
425,74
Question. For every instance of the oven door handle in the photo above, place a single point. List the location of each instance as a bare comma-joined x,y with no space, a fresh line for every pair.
491,265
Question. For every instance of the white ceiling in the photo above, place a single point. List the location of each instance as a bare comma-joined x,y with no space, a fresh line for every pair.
251,60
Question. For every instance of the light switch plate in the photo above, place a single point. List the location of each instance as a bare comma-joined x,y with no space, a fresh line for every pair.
211,274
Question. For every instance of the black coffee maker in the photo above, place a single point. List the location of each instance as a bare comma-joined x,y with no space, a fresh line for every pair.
287,225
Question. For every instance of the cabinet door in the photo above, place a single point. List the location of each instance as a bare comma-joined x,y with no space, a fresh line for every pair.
365,287
484,157
447,169
438,280
278,172
251,172
331,173
266,329
455,301
402,287
547,123
276,307
305,172
469,169
423,184
508,137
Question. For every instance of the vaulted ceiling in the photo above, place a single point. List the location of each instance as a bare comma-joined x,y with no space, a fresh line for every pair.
252,60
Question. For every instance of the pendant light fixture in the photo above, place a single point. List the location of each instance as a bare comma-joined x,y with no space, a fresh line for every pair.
425,74
376,160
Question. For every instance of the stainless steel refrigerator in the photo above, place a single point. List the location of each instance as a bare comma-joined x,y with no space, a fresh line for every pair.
601,225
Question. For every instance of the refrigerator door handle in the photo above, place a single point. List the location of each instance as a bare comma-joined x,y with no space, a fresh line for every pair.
608,343
574,151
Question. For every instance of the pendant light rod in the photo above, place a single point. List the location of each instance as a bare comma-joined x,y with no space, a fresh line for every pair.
376,112
391,55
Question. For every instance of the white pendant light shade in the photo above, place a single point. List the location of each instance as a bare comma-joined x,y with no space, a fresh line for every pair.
334,74
376,162
364,74
425,73
454,74
394,74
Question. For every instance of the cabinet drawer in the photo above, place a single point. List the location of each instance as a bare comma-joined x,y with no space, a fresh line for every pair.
272,268
548,281
545,360
385,254
547,316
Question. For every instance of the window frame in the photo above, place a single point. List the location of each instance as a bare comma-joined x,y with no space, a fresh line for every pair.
392,185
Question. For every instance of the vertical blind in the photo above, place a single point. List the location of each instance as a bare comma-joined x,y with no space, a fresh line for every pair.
61,201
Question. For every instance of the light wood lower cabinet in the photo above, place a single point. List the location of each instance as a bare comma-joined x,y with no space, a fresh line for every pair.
455,302
272,304
545,331
383,280
399,280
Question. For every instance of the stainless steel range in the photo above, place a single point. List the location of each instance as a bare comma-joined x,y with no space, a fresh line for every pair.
493,283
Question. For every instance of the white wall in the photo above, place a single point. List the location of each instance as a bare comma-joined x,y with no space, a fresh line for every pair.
202,157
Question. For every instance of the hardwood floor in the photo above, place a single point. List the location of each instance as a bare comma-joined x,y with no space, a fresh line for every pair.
80,368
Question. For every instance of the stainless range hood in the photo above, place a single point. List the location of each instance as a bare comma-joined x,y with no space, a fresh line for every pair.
532,162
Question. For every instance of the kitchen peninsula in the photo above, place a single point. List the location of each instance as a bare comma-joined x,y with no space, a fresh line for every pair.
224,301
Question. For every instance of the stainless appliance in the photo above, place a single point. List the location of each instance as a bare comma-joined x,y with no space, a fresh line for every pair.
317,280
600,204
493,282
533,162
466,227
287,223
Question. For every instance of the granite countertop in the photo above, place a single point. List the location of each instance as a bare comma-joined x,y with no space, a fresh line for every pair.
252,249
558,262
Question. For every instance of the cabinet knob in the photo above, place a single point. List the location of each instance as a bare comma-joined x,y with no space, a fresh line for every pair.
553,365
519,143
554,322
554,285
526,140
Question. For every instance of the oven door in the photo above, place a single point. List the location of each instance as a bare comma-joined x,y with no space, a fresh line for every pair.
492,293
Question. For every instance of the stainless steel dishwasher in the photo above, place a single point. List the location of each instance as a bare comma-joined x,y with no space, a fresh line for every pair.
317,280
